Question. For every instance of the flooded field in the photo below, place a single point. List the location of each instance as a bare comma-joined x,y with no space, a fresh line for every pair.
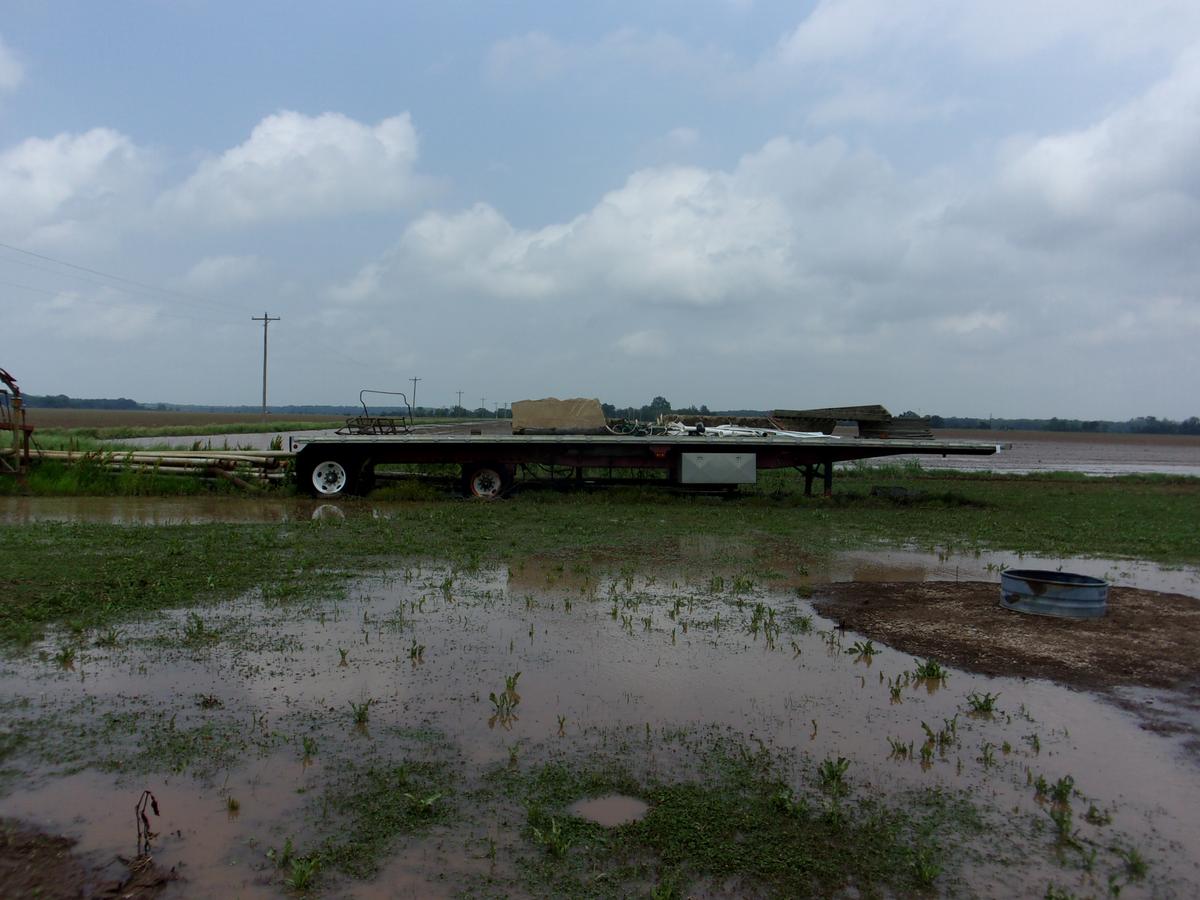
560,728
1089,454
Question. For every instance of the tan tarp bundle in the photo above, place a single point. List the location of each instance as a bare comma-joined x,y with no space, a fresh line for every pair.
554,416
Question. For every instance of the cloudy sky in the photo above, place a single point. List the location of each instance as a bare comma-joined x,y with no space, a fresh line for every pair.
961,208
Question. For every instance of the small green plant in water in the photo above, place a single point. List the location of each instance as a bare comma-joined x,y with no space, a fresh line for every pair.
930,670
195,632
1098,817
1061,791
108,638
925,867
989,756
65,658
310,746
556,843
425,805
304,869
900,750
1041,787
362,711
1063,824
832,775
1135,864
863,649
416,652
982,704
510,686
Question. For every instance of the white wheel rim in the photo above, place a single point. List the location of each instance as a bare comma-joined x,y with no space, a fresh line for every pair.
329,478
486,484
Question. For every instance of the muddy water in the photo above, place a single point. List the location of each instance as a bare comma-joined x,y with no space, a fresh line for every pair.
1102,455
175,510
638,655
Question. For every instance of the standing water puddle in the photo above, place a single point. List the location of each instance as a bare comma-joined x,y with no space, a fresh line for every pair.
257,704
610,811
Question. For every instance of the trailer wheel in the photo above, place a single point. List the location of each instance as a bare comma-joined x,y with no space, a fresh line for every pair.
330,478
486,481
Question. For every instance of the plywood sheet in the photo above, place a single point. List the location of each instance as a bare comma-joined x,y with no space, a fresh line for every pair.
578,415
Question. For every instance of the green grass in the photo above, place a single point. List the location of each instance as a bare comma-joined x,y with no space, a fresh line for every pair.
92,575
369,806
739,818
90,478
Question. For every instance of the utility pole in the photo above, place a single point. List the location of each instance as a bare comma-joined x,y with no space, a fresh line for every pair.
483,404
460,393
266,320
414,397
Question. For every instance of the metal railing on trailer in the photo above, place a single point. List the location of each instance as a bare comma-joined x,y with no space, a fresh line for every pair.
379,424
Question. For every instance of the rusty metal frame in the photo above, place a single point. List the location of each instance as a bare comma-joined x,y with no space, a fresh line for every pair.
14,459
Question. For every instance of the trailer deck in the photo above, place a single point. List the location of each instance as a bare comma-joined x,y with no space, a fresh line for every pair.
342,464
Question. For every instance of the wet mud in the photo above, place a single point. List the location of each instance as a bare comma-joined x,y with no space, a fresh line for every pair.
36,864
1146,639
256,723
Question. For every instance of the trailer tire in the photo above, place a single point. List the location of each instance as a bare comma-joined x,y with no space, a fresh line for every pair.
330,477
486,481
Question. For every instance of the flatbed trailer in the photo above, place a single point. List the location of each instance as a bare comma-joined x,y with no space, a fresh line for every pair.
331,466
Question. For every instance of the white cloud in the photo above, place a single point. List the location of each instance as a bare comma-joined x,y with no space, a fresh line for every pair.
643,343
215,273
527,58
810,251
12,73
103,315
987,30
301,167
874,104
51,184
789,216
1131,176
1145,322
971,323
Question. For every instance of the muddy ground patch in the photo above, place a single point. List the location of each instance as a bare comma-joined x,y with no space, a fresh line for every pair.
1147,639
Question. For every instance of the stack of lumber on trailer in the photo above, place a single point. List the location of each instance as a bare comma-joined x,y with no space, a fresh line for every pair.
873,421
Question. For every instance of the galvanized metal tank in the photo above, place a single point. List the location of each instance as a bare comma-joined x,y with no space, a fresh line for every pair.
1063,594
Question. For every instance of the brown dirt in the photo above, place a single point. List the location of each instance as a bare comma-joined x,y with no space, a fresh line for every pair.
1147,639
35,864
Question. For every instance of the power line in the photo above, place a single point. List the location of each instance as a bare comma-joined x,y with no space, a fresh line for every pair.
139,284
109,303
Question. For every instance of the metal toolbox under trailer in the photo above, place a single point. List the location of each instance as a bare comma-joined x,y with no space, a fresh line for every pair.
718,468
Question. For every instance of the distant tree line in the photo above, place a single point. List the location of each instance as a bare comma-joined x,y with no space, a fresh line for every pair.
62,401
1139,425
